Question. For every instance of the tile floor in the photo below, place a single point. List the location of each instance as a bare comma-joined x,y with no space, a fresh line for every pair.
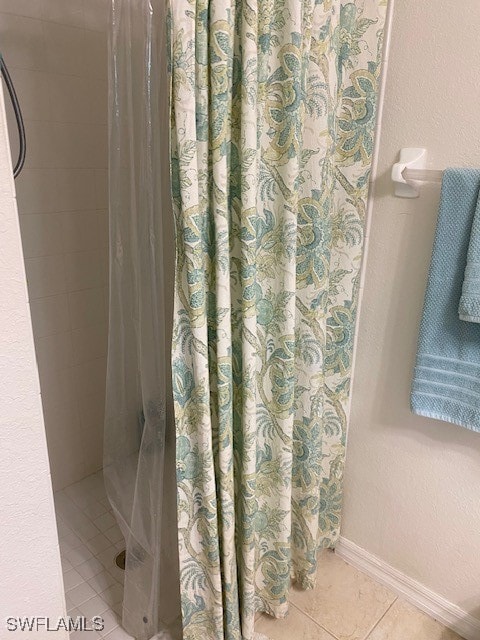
346,605
89,541
349,605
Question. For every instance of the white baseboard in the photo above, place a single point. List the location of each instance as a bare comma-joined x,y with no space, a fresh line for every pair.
417,594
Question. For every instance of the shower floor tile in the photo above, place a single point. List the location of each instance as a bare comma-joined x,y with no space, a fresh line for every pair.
89,541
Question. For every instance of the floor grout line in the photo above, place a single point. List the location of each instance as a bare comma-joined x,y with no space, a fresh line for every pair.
380,619
312,620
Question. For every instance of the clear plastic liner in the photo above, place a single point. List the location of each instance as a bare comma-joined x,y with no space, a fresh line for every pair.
139,457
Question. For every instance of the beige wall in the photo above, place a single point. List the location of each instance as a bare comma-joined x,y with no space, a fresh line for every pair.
412,493
31,578
56,53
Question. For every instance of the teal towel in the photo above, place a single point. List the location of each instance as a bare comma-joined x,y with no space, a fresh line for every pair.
469,307
446,382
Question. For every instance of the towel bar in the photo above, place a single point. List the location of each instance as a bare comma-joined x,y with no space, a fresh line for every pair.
423,175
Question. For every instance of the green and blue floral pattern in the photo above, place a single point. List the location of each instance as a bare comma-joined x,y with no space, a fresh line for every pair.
273,117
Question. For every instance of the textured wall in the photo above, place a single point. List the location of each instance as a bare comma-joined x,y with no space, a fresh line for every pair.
31,582
56,54
413,484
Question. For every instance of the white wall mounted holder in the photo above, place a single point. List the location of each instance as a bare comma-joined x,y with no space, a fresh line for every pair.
410,158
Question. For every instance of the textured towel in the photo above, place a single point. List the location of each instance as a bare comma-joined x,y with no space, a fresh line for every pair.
446,383
469,307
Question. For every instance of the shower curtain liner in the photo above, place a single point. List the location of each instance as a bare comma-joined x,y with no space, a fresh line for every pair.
273,106
139,447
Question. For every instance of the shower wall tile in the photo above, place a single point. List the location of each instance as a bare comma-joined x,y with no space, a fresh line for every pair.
22,8
84,230
87,307
101,189
42,147
69,97
55,351
74,190
45,276
56,52
33,92
99,145
65,49
23,42
93,446
84,270
65,448
57,387
89,377
96,14
75,145
41,234
37,191
50,315
95,55
89,343
103,228
98,107
92,412
60,11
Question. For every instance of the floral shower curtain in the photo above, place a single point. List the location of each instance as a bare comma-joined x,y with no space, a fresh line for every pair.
273,115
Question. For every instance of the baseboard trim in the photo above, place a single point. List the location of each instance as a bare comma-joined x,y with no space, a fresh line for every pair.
417,594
